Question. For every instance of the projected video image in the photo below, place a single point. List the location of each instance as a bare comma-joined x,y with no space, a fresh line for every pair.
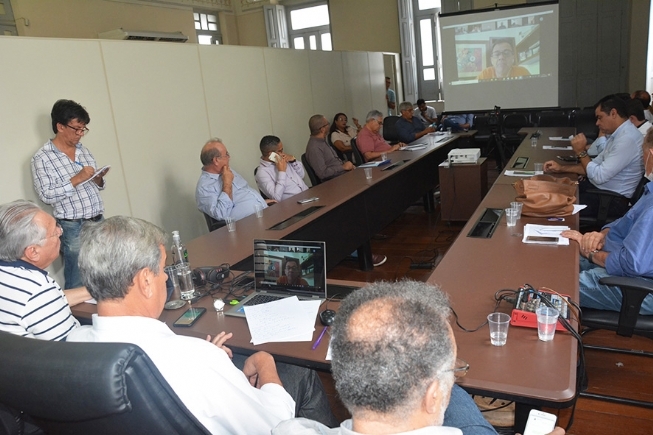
287,266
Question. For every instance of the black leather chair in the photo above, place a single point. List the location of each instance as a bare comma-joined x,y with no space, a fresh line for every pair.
483,133
390,130
213,224
90,388
585,122
511,138
309,170
552,118
606,197
260,191
627,322
356,154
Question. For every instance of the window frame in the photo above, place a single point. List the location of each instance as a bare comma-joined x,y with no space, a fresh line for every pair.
215,34
306,33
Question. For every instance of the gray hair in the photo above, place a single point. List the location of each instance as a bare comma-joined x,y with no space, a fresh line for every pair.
386,362
113,251
373,114
405,106
315,124
208,154
18,229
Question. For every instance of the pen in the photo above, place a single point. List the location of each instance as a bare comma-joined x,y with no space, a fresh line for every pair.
319,339
79,163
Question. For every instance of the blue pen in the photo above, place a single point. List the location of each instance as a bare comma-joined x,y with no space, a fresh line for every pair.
319,339
79,164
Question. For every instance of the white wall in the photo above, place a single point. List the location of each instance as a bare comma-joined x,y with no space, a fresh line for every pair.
153,105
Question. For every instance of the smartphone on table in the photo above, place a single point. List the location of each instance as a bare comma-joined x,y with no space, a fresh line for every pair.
190,317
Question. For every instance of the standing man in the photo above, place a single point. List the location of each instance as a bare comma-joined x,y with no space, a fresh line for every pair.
221,192
322,157
282,176
31,303
369,141
63,175
390,97
409,127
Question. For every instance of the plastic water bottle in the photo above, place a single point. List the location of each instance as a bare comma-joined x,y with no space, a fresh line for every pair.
179,252
182,267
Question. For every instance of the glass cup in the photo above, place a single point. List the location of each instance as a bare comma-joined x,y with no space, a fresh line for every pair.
499,323
547,319
185,277
384,157
448,131
533,141
539,168
511,217
172,283
516,205
231,224
259,211
368,173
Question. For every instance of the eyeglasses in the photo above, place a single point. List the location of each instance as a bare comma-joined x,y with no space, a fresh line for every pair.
58,233
80,131
505,53
292,268
460,368
325,125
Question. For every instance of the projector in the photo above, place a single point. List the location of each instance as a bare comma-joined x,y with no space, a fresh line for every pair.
466,155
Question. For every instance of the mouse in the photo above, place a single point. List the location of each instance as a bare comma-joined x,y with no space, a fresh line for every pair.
327,317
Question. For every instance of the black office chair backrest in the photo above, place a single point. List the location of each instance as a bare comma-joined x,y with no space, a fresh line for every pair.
552,118
512,122
356,153
585,122
90,388
309,170
390,130
260,191
338,152
213,224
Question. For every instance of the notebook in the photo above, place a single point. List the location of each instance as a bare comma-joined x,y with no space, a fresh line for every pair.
284,268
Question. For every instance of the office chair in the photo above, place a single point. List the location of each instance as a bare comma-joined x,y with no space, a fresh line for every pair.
356,154
483,133
390,130
585,122
259,190
626,323
213,224
311,173
552,118
90,388
606,197
346,156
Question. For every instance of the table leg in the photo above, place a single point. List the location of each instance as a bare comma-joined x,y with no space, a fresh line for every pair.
365,257
429,202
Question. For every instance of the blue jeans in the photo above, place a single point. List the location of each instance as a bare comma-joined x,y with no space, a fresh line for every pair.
70,251
463,413
603,297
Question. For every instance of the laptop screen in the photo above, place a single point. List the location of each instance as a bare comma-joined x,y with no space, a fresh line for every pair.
294,266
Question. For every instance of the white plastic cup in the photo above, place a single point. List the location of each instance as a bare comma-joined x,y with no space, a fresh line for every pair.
368,173
547,319
533,141
539,168
231,224
384,157
511,217
499,323
259,211
448,131
516,205
185,277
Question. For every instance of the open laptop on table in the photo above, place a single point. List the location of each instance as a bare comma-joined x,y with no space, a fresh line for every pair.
285,268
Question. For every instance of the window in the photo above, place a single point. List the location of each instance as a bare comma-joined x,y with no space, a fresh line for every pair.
207,27
424,12
309,27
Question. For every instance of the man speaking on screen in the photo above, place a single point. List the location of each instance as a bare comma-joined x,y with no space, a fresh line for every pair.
503,61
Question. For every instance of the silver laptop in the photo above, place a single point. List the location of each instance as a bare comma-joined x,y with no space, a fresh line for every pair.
284,268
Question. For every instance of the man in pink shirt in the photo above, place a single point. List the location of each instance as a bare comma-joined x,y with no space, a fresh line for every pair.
369,141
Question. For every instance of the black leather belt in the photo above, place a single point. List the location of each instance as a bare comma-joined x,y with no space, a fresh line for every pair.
93,219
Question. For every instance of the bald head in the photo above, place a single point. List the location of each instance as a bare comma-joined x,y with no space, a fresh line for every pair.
317,125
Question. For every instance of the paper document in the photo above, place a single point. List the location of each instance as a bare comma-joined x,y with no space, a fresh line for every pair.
374,164
287,319
561,148
545,234
512,173
97,172
415,147
560,138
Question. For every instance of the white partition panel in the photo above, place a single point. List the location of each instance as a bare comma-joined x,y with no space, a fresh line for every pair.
291,101
237,102
357,82
328,84
161,119
377,81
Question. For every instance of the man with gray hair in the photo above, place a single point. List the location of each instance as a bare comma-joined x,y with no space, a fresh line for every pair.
409,127
369,141
31,303
394,363
122,262
221,192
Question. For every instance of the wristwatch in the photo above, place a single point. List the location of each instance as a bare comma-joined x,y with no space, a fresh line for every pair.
591,256
582,154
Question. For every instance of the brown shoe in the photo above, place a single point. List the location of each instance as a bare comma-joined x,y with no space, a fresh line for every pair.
378,260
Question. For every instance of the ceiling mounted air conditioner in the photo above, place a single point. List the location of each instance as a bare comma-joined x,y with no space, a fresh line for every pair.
138,35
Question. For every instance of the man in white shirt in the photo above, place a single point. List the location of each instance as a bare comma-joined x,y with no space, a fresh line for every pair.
122,262
279,175
426,114
635,113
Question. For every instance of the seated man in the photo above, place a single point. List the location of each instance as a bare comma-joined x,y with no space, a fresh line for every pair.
221,192
458,122
31,303
122,263
619,166
369,141
382,336
409,128
645,99
282,177
323,159
293,273
622,248
426,114
635,113
502,56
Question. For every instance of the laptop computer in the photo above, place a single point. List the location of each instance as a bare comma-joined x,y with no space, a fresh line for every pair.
285,268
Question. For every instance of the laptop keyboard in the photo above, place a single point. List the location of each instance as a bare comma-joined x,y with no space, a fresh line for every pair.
261,299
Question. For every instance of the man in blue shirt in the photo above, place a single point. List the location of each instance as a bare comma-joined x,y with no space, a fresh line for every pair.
221,192
622,248
618,168
409,127
458,122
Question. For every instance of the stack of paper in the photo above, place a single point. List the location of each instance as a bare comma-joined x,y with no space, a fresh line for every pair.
287,319
545,234
373,164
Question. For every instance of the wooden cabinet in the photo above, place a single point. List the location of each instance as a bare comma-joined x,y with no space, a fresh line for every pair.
462,187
